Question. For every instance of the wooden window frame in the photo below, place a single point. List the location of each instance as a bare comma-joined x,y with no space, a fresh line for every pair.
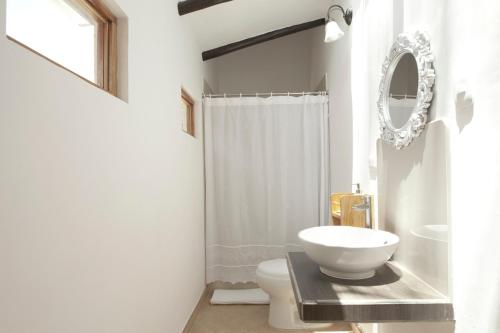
106,56
189,102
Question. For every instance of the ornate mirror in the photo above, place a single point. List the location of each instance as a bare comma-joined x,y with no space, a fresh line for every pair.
405,90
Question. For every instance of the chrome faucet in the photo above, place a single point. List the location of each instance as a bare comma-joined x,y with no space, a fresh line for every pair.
365,206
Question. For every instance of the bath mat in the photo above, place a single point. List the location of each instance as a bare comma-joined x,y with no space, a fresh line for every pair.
239,296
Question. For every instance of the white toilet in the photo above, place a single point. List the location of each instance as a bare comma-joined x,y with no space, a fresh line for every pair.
274,279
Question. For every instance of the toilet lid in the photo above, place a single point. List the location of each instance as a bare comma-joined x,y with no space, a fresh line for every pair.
276,268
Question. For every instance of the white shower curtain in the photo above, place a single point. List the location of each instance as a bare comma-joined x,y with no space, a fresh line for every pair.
266,177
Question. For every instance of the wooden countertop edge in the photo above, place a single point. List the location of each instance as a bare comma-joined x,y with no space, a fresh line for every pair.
293,279
386,313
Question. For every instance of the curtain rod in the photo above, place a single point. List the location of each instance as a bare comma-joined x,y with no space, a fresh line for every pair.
270,94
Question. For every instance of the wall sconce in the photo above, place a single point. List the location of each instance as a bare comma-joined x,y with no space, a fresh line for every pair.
332,29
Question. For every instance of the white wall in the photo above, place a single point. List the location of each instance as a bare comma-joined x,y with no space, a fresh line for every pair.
465,107
280,65
413,196
325,58
101,202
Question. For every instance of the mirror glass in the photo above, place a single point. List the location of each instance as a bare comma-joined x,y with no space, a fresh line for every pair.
402,95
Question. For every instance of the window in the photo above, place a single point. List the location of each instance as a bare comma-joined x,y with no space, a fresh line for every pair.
188,111
79,35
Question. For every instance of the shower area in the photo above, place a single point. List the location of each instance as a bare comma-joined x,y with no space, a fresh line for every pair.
267,177
267,160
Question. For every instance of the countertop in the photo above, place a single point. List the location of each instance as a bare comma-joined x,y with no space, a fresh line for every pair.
392,295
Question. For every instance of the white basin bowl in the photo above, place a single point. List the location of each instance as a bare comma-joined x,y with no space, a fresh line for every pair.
348,252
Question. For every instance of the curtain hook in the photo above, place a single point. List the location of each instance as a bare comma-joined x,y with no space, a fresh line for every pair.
303,93
224,95
241,95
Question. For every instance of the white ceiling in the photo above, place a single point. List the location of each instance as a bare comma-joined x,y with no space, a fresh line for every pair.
239,19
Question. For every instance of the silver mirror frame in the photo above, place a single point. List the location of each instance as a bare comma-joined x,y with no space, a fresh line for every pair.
418,45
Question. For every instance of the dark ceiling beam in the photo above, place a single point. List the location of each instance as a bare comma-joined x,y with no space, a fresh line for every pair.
219,51
189,6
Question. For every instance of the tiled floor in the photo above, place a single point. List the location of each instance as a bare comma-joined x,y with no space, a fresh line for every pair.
240,319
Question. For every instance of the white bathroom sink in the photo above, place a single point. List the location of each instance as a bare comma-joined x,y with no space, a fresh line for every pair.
348,252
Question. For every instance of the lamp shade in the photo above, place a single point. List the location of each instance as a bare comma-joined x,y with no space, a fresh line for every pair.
332,32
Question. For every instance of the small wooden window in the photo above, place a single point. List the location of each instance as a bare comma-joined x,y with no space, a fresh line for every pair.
188,111
78,35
